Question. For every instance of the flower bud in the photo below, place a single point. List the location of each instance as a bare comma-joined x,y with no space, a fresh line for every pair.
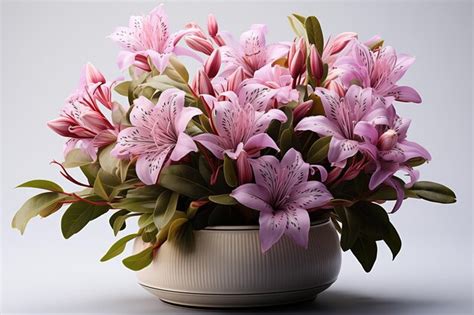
335,86
199,44
213,64
93,75
316,64
297,64
302,109
387,140
202,84
235,79
61,126
212,27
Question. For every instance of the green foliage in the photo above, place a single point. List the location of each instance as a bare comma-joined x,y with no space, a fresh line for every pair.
433,192
76,158
43,204
79,214
224,199
314,33
165,208
230,173
139,261
318,150
42,184
363,224
116,222
184,180
118,247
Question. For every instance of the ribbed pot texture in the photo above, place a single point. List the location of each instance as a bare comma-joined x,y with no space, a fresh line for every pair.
227,268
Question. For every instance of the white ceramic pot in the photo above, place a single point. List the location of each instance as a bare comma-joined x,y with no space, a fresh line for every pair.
227,268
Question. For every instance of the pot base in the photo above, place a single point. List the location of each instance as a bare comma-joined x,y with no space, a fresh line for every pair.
192,299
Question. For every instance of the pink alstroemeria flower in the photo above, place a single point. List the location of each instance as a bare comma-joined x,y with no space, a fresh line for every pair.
158,134
269,87
149,36
239,128
252,53
81,119
379,70
335,45
343,115
283,195
389,148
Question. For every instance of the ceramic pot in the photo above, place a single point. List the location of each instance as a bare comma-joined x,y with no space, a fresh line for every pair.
227,268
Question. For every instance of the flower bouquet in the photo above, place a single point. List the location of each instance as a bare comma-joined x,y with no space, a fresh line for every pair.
278,135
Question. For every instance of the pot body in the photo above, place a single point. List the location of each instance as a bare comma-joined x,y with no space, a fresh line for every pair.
226,268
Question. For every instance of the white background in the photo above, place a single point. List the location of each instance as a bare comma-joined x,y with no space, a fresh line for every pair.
44,45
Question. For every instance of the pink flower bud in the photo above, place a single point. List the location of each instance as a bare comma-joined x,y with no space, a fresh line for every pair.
94,121
141,62
202,84
235,79
341,41
302,109
213,64
335,86
212,27
374,42
244,170
93,75
61,126
316,64
297,64
387,140
199,44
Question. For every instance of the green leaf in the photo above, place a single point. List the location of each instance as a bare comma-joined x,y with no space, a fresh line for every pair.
314,32
145,220
107,161
184,180
177,71
181,233
118,247
135,204
351,226
393,241
122,170
319,150
149,234
42,184
90,171
417,161
116,217
78,215
44,203
374,219
433,192
139,261
286,140
230,174
366,252
122,88
75,158
297,24
105,184
224,199
165,208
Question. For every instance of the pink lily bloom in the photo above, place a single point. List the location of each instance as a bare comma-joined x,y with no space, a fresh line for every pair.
335,45
149,36
81,119
379,70
252,53
389,148
343,114
158,134
283,195
239,128
270,87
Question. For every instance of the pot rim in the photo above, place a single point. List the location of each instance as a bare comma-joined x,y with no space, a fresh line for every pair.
251,227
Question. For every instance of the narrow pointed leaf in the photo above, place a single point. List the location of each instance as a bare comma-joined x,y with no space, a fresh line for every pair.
139,261
42,184
118,247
